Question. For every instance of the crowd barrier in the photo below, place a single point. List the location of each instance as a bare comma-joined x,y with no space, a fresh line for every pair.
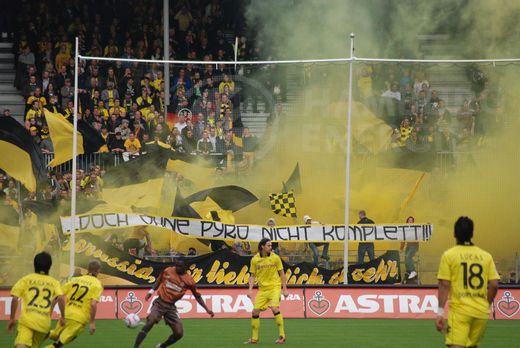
302,302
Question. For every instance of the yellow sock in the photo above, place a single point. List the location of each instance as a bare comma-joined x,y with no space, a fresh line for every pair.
255,323
279,321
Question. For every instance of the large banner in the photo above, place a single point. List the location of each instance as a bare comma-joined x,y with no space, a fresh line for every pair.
224,267
216,230
309,302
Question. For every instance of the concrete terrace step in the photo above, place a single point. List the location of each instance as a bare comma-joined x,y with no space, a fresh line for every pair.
6,55
8,88
6,66
11,98
16,109
7,76
6,45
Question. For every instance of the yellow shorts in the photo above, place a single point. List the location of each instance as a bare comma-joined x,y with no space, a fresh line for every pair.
67,333
28,337
268,298
464,330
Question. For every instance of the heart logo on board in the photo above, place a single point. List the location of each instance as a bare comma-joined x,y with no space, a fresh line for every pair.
508,306
319,305
131,304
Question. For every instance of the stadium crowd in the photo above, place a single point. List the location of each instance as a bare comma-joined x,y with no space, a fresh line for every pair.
125,101
401,95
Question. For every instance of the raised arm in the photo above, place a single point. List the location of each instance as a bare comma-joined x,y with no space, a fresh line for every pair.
200,301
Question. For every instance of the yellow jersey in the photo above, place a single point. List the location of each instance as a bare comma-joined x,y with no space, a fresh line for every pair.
469,269
80,291
266,270
132,145
37,292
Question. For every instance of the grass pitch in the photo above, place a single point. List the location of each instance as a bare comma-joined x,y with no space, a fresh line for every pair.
329,333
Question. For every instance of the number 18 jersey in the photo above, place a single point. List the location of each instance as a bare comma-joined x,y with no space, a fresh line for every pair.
37,292
80,292
469,269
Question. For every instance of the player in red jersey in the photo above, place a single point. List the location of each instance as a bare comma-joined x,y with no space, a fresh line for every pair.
171,285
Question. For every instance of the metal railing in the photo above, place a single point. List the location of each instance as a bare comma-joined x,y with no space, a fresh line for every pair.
102,159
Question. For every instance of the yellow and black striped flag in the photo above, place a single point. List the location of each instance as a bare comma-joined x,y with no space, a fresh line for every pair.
283,203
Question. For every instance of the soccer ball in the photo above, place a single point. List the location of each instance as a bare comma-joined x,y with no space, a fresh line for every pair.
132,320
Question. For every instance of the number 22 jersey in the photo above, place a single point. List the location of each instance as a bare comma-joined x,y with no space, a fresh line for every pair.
469,269
37,292
80,292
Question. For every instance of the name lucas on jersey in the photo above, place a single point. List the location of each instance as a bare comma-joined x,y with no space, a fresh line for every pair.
470,257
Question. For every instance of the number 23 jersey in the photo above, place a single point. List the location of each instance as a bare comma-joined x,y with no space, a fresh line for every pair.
469,269
37,292
80,292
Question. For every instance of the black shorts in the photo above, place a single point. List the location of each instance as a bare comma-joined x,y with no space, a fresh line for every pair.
164,309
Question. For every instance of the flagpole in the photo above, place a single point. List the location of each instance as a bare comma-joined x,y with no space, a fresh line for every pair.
74,154
166,44
347,176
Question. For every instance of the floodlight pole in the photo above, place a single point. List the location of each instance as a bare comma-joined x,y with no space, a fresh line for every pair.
347,176
166,44
72,248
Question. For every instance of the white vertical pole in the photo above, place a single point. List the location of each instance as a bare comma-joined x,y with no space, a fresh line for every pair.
74,154
166,44
236,52
347,176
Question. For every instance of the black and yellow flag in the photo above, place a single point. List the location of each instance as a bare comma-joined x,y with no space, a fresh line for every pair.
223,200
137,182
21,157
294,183
61,132
283,203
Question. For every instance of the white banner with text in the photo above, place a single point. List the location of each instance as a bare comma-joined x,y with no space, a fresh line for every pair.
216,230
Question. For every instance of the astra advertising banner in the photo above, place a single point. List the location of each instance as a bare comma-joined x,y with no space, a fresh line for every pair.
302,302
215,230
224,267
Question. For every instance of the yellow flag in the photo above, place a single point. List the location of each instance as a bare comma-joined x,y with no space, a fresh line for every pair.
17,163
367,129
189,170
61,134
141,195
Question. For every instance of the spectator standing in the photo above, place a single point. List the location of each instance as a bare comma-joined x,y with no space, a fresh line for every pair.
409,253
271,223
314,246
365,247
137,241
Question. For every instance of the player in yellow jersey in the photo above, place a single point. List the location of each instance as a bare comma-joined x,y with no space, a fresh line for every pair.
83,293
267,268
468,274
39,293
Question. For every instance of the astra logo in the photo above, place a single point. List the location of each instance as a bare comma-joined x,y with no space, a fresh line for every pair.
388,303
